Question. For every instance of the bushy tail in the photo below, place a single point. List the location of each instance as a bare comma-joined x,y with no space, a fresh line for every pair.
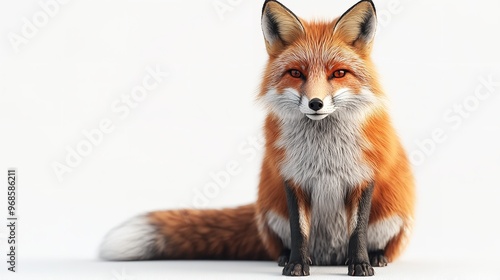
230,234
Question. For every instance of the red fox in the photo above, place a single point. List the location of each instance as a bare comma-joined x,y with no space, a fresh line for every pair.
335,187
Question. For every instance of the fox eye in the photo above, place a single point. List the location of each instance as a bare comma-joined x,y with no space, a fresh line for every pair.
296,73
338,73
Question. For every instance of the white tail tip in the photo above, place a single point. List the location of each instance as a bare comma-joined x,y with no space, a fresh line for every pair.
132,240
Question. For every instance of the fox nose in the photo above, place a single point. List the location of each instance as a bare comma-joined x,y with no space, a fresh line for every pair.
315,104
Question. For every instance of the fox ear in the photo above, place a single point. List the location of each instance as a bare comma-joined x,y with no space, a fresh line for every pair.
280,26
357,26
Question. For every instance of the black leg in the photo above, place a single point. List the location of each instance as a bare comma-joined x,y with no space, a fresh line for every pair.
298,264
284,257
358,260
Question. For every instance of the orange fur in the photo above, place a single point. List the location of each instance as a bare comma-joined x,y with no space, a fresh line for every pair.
395,191
244,232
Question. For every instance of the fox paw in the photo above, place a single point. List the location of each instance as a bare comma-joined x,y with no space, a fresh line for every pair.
284,257
361,269
296,269
378,259
282,260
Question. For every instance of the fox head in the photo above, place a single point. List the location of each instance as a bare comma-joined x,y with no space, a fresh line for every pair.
318,68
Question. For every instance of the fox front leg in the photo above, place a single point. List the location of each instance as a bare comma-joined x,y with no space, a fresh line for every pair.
358,259
299,261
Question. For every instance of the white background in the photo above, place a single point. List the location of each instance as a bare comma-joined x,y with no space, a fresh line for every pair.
64,79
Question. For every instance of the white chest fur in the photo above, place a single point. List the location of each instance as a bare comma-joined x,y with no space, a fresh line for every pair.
325,159
326,152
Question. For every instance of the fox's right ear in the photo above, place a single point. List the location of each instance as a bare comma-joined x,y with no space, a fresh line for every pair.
280,26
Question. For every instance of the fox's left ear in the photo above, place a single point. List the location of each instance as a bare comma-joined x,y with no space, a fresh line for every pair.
357,26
